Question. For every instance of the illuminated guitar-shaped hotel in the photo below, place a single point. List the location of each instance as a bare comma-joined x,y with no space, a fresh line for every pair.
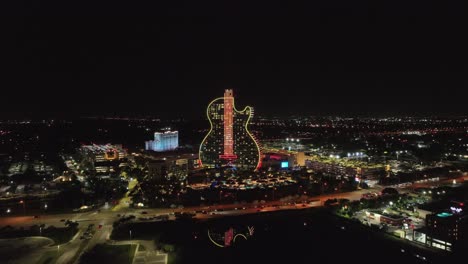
229,141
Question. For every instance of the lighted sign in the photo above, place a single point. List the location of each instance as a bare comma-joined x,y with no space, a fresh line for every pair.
284,164
111,155
444,214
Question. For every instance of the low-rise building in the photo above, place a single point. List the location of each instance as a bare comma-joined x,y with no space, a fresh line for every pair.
378,217
446,229
103,158
176,166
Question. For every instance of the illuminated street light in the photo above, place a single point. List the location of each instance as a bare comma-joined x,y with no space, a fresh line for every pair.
391,203
8,211
24,206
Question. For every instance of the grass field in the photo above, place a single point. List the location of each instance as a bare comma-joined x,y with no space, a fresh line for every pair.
59,235
115,254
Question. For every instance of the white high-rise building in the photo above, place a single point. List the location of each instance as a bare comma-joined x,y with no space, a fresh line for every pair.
163,141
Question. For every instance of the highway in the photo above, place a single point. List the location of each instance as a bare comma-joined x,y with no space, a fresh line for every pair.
103,219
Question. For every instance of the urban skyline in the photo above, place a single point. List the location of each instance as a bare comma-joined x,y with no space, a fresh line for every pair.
176,132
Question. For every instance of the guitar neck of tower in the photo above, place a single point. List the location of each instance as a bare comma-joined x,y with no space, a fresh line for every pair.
228,125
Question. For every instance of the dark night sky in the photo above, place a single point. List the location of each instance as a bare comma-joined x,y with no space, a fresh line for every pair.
310,57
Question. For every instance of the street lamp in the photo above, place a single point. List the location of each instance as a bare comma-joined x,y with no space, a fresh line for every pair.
24,206
8,211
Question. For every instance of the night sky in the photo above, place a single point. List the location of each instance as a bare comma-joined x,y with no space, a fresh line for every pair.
171,59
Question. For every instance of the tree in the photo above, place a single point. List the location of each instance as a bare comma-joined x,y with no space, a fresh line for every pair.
389,191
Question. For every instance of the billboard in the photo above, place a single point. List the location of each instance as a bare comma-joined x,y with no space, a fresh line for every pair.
284,164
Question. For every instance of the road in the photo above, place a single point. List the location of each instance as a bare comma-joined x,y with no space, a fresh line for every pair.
71,251
104,218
